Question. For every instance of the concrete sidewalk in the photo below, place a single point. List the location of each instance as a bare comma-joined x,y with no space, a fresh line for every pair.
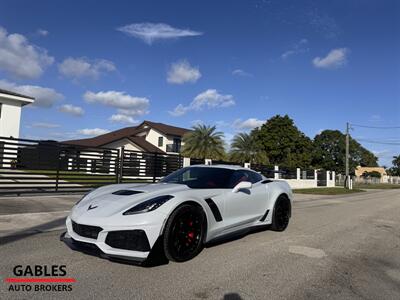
32,214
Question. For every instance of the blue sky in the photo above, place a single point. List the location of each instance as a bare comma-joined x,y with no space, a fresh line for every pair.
96,66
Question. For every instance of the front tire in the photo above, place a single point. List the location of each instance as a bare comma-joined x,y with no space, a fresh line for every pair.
281,214
184,233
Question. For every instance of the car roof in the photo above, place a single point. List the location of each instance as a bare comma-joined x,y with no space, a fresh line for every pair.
231,167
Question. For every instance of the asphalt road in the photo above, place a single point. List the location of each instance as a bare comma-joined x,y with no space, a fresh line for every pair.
342,247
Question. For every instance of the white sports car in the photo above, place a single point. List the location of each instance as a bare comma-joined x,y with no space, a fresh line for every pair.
184,210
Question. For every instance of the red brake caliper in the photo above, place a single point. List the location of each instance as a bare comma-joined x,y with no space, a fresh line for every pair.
191,233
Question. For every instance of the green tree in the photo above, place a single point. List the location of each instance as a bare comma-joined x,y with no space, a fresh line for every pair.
284,143
204,142
245,149
395,170
330,152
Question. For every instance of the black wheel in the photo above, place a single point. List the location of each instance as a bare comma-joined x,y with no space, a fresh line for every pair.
184,233
281,214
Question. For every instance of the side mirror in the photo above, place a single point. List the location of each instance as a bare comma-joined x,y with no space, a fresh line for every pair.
243,185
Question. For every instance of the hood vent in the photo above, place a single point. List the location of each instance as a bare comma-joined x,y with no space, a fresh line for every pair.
126,192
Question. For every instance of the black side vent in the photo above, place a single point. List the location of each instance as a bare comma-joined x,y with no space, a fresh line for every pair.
126,192
214,209
264,216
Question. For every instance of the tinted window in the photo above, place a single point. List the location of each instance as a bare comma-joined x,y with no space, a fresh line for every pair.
254,177
239,176
201,177
244,175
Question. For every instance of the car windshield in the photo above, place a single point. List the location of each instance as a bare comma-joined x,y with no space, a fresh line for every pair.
201,177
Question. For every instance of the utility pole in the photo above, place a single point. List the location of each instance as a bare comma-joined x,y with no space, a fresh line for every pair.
347,155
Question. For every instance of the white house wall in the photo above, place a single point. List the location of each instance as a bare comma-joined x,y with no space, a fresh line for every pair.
10,118
124,142
152,137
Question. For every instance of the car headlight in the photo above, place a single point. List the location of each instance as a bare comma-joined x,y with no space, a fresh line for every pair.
148,205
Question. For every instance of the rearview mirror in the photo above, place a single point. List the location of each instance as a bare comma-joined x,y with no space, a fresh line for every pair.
243,185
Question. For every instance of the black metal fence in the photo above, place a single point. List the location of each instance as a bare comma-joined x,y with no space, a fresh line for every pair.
31,166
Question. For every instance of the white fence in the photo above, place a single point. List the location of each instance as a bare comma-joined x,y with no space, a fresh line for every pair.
299,179
371,180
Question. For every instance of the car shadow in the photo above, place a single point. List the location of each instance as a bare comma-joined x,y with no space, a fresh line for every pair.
236,236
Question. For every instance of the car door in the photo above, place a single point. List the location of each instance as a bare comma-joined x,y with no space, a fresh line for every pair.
245,206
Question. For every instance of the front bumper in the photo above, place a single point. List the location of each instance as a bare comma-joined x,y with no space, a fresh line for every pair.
109,239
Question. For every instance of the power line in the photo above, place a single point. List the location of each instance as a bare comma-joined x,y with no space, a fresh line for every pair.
379,142
376,127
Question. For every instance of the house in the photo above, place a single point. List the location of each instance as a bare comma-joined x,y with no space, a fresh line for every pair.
359,171
10,112
147,136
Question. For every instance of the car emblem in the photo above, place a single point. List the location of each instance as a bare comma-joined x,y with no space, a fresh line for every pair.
91,207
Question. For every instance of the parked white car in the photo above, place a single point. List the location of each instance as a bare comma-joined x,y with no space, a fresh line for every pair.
185,210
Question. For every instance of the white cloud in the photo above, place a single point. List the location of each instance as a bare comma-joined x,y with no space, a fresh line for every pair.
120,118
77,68
72,110
44,97
297,48
21,59
42,32
126,104
208,99
221,123
181,72
240,72
179,110
250,123
197,122
336,58
150,32
45,125
92,131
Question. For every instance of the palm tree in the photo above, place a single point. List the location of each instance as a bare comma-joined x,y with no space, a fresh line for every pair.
245,149
204,142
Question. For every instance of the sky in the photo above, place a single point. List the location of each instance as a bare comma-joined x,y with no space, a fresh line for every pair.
97,66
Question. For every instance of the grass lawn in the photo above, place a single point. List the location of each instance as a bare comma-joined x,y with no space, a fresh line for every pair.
383,186
327,191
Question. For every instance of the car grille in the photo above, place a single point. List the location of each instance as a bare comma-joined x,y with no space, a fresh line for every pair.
87,231
135,240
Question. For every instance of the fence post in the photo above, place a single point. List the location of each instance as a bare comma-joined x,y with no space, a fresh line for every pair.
186,161
247,165
119,168
208,162
316,178
328,178
298,174
154,167
276,174
334,178
58,168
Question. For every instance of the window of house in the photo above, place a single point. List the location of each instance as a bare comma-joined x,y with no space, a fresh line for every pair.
160,141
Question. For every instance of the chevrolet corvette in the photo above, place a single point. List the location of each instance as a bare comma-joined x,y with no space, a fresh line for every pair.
184,210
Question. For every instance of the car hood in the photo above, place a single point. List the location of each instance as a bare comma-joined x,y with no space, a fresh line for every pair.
113,199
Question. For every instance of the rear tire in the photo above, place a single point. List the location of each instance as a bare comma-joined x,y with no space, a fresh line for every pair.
184,233
281,214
